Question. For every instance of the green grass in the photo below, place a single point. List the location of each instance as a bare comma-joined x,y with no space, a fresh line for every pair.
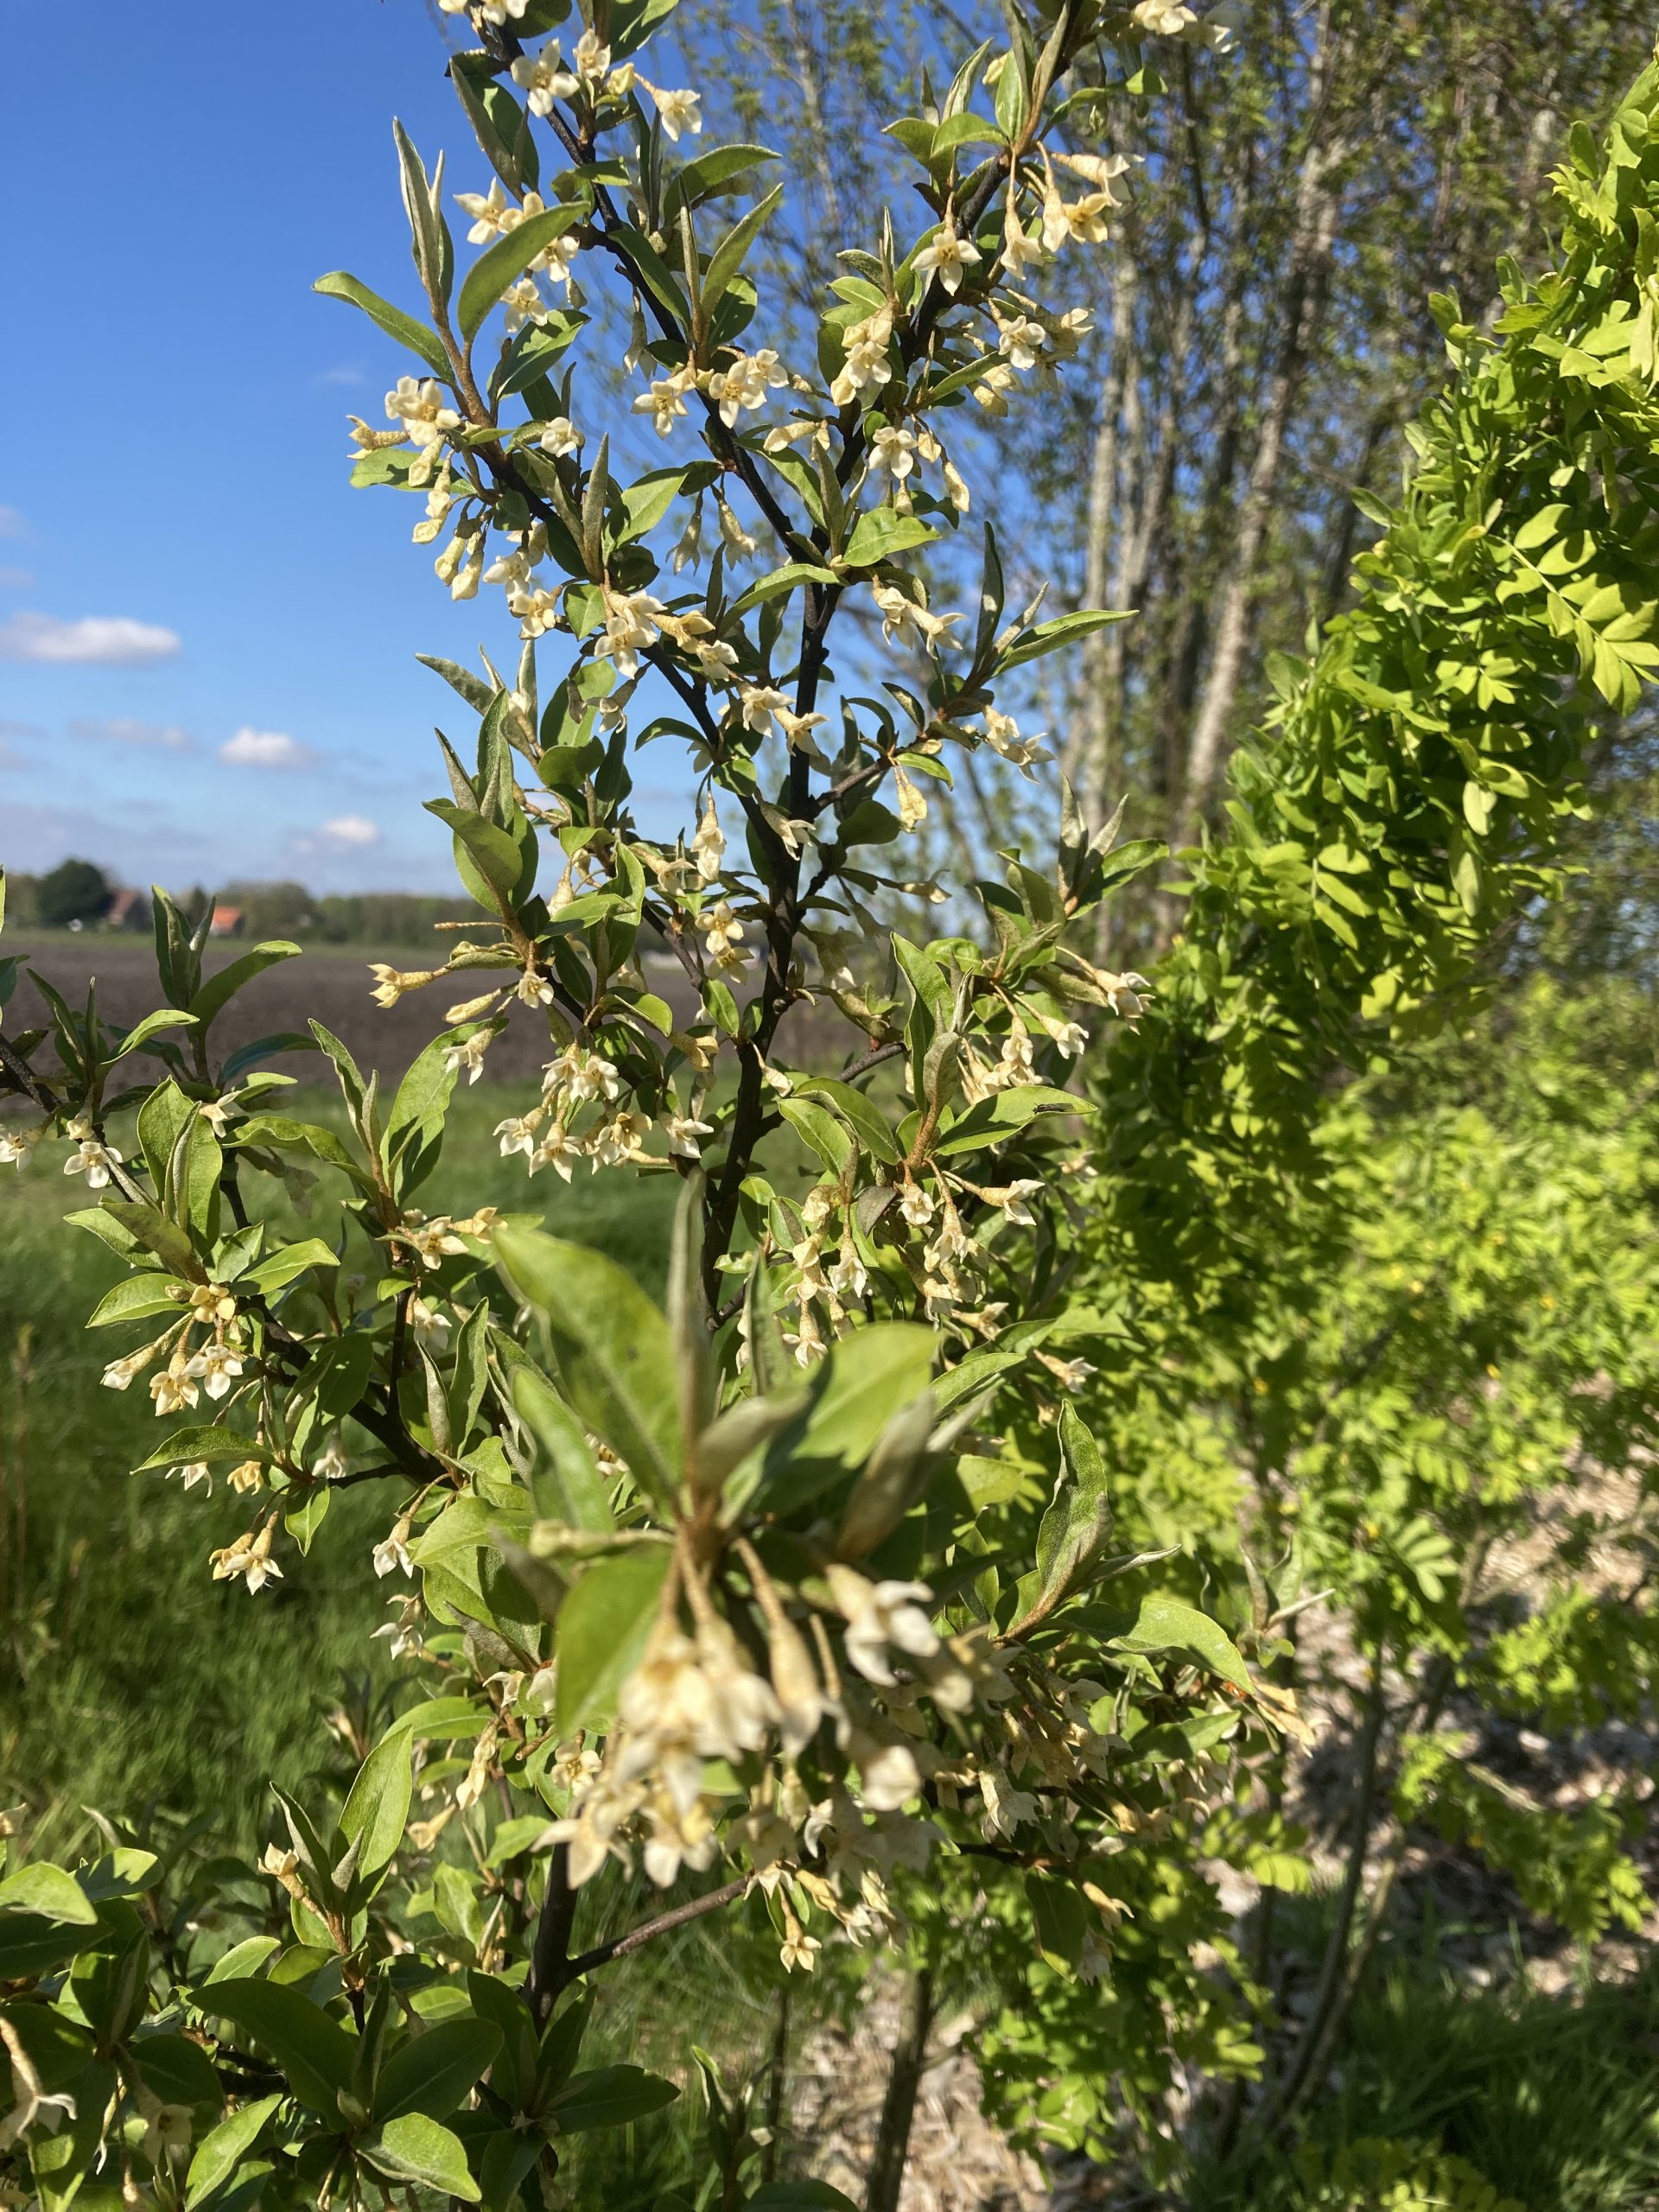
129,1680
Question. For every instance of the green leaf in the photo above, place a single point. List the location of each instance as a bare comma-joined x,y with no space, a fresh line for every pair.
218,988
131,1301
177,2070
1077,1526
337,285
164,1017
883,532
315,2052
790,577
49,1890
714,171
604,1626
727,257
416,2149
574,1491
211,1444
610,2097
817,1126
612,1348
279,1270
220,2152
860,1113
376,1805
1063,630
867,1377
1165,1624
433,2072
501,266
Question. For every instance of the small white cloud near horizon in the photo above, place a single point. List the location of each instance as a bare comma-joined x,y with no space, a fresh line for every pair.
348,375
265,748
121,729
348,833
16,579
92,640
12,523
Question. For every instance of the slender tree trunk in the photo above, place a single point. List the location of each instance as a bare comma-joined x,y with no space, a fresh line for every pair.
898,2110
1089,744
777,2083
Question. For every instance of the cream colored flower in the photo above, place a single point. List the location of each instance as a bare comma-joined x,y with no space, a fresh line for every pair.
468,1055
745,382
543,79
679,111
665,399
94,1161
683,1131
946,256
249,1557
881,1614
174,1390
592,56
560,437
419,407
631,628
894,448
866,362
215,1366
392,1552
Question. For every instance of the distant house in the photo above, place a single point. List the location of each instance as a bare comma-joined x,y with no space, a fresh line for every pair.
227,922
128,910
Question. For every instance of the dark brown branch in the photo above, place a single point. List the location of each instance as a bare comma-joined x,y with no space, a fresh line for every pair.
648,1930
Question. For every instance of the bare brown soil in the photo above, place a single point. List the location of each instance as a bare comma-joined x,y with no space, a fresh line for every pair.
330,984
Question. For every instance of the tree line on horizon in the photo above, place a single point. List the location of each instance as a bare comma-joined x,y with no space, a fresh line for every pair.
80,895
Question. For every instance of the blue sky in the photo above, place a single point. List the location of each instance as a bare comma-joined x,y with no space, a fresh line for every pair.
185,579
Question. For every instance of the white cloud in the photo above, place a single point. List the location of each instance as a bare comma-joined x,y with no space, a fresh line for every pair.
15,579
265,748
105,640
349,832
345,374
166,737
12,523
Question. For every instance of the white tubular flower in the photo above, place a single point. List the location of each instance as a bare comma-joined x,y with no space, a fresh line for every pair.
745,382
664,400
1162,18
430,1325
419,407
630,626
708,846
867,361
912,807
879,1614
543,79
246,1475
523,303
1071,1037
737,540
724,932
592,57
1002,735
1018,247
215,1366
392,1552
467,1056
560,437
195,1474
557,259
621,1139
1125,992
759,703
888,1776
1015,1067
433,1241
806,1340
1023,340
849,1278
390,984
518,1133
94,1161
946,256
488,210
404,1633
1013,1199
173,1389
678,111
1005,1807
249,1557
894,448
901,615
684,1130
916,1204
532,988
557,1150
15,1145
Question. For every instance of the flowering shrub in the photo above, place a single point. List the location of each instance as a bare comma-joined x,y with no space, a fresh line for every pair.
709,1587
